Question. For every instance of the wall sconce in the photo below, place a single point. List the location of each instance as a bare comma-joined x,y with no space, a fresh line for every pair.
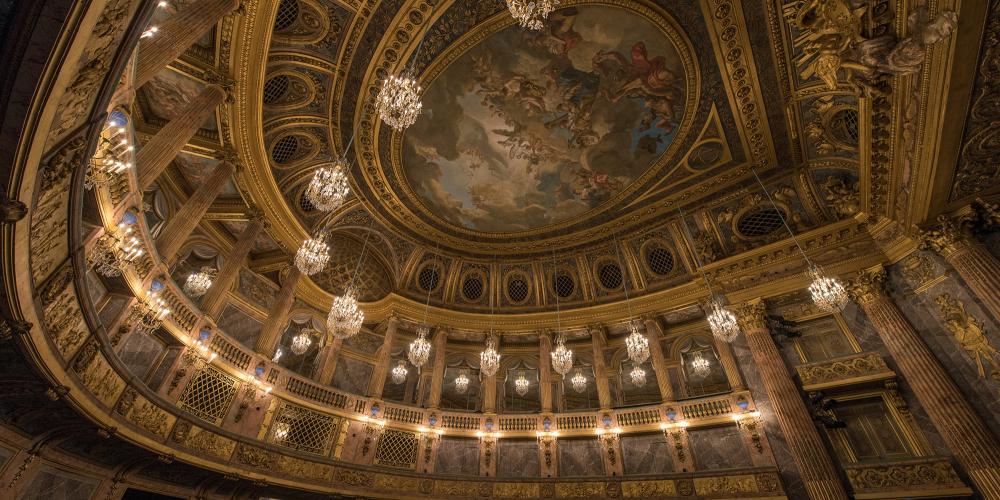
608,437
251,386
373,430
148,313
675,431
112,156
117,249
545,439
489,441
201,348
430,436
750,421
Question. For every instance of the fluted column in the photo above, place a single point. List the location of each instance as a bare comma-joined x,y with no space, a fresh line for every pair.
177,230
658,360
176,34
382,358
437,373
212,302
953,239
327,362
545,371
814,463
277,316
729,364
155,156
598,342
490,394
974,446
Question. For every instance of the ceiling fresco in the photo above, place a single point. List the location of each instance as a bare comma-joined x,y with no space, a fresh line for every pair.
528,128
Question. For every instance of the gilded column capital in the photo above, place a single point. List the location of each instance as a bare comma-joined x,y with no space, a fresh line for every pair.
255,214
751,315
869,285
947,236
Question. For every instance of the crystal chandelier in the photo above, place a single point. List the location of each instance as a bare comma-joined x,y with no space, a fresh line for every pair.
562,358
115,251
302,341
312,256
461,383
531,13
399,373
420,349
722,321
329,187
489,359
521,385
638,376
398,102
345,317
827,293
198,283
700,366
111,157
579,382
148,313
637,345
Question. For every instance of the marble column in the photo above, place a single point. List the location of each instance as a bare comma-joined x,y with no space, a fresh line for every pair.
182,223
176,34
156,155
382,358
953,239
327,362
545,371
490,394
658,360
728,362
974,446
437,372
277,316
598,342
819,476
213,300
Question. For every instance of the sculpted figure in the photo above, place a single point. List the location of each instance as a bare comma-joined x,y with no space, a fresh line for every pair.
969,334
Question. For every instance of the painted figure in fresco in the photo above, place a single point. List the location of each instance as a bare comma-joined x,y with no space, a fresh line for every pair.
969,334
644,78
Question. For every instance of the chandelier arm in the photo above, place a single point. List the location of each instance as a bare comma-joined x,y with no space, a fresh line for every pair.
782,217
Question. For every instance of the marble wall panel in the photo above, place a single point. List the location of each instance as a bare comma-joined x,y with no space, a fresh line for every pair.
112,308
718,448
139,353
646,454
457,456
364,343
517,458
52,483
240,326
157,377
352,375
580,457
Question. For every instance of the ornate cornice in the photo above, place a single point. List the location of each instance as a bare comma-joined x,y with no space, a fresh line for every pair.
752,315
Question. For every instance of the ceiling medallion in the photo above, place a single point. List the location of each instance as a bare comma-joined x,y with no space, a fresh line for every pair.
489,359
827,293
521,385
329,187
700,367
345,317
638,376
562,358
302,341
530,14
637,344
198,283
722,321
313,255
579,381
398,101
399,373
461,383
420,349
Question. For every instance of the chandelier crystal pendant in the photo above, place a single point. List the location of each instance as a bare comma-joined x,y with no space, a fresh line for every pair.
345,318
399,373
489,359
420,349
197,284
638,376
521,385
461,383
302,341
398,101
312,256
637,345
722,321
827,293
531,14
579,382
562,357
700,367
329,186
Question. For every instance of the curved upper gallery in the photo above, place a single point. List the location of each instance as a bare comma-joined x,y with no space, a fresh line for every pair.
391,248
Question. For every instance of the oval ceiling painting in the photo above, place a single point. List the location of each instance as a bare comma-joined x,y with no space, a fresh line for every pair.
529,128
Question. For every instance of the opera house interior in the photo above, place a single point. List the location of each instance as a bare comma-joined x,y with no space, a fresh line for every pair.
503,249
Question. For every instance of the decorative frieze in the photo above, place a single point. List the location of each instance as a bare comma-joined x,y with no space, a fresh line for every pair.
848,370
914,478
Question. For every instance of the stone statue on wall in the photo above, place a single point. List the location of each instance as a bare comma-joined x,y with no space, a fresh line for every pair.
969,334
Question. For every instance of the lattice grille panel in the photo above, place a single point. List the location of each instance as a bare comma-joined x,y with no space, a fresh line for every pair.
563,285
303,429
760,222
517,290
288,13
285,150
209,394
610,275
397,449
429,278
275,88
660,260
472,288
